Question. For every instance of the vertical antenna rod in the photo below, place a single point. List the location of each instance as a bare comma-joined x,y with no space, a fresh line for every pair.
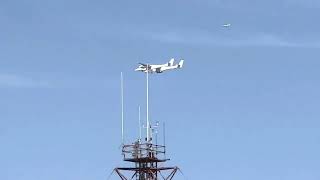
139,123
164,139
164,134
148,126
122,115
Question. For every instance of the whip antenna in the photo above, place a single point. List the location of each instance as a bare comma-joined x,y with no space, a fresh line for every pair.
139,124
148,125
122,114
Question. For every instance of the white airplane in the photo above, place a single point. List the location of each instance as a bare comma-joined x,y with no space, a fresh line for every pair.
226,25
159,68
143,67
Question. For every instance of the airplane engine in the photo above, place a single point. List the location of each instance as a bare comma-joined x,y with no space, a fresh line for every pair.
158,70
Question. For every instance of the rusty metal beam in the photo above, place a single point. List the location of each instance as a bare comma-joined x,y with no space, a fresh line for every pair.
172,174
120,175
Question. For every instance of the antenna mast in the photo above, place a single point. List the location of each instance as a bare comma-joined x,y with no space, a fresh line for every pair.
147,158
148,125
164,134
140,124
122,114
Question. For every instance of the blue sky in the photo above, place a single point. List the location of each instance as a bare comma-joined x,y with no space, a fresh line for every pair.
246,105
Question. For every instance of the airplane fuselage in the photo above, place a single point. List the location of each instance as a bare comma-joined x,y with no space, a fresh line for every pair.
159,68
151,67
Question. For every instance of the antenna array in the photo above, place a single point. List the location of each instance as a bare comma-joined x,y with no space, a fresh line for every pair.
146,156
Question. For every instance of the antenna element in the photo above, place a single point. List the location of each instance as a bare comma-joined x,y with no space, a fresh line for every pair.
122,114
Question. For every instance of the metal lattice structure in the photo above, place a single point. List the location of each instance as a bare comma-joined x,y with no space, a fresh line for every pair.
146,158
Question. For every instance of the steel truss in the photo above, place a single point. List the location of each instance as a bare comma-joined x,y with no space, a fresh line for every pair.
147,173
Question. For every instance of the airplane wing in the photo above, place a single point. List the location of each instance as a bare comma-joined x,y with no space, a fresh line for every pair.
146,65
142,64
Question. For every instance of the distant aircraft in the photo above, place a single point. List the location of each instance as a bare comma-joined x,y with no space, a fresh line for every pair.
226,25
159,68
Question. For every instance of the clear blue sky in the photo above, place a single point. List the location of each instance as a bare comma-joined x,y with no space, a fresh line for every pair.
245,107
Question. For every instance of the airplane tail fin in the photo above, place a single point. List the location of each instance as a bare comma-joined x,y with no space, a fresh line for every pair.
180,65
170,63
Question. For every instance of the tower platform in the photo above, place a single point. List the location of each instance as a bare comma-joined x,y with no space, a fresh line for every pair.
146,158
